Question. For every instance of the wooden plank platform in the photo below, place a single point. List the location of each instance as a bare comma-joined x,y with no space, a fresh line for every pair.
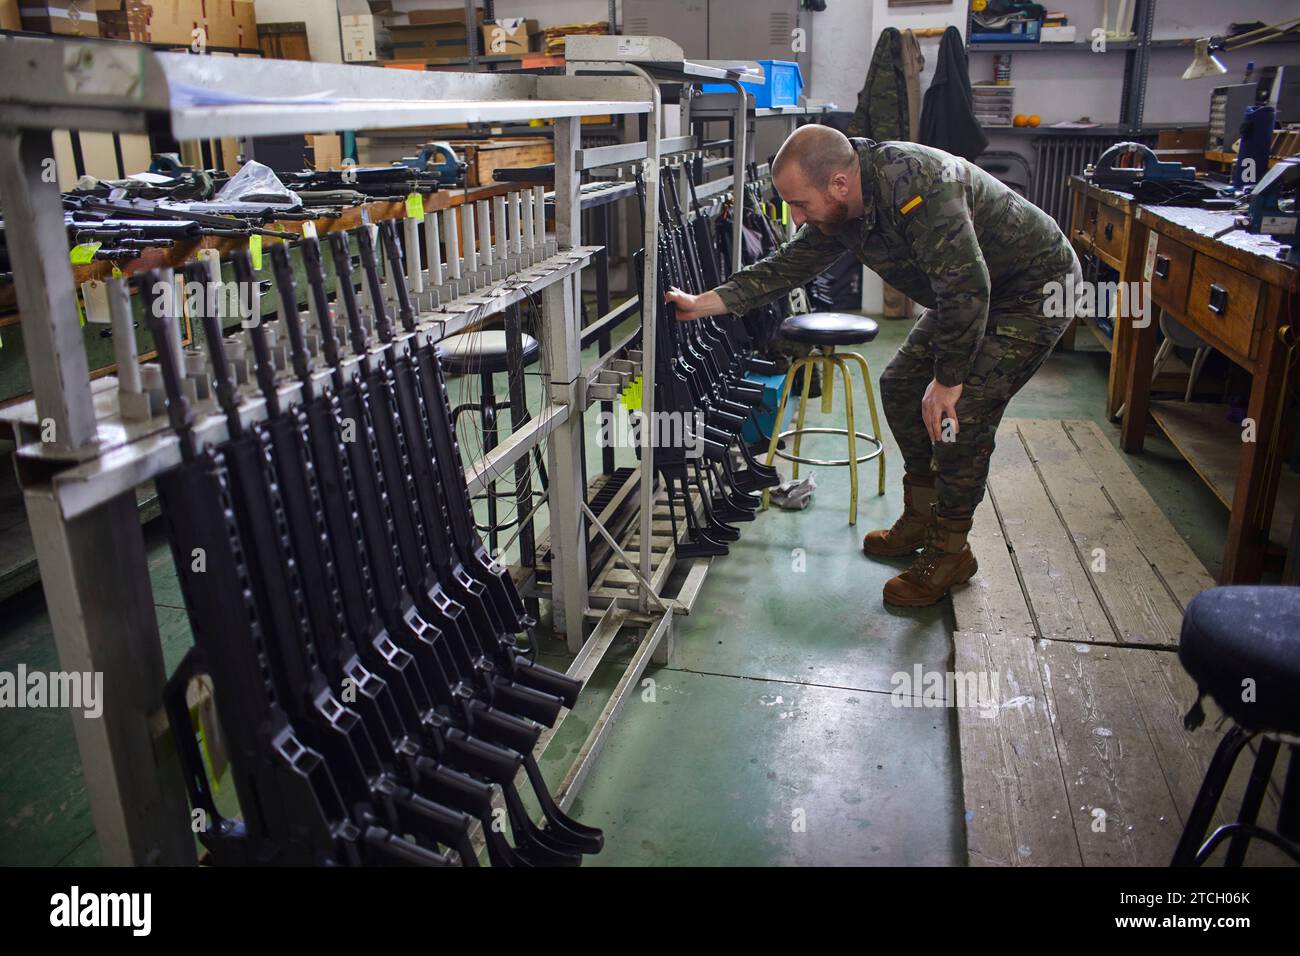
1075,613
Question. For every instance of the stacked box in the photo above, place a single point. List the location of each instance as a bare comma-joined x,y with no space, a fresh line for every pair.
226,24
77,18
429,34
508,37
993,104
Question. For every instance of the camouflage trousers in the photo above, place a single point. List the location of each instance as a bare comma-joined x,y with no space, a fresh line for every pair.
1003,364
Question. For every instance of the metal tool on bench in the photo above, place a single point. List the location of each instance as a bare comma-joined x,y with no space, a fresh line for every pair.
441,160
1273,207
1123,165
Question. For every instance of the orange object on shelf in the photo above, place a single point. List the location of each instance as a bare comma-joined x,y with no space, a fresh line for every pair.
1021,120
1034,120
535,60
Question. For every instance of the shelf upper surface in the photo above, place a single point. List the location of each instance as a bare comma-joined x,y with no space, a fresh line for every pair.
91,85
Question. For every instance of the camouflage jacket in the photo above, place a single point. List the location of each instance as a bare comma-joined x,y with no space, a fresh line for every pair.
945,233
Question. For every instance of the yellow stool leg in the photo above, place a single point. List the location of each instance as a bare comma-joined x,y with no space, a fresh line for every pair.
875,419
807,364
828,379
780,417
853,438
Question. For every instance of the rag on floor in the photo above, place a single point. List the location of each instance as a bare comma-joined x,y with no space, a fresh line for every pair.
794,495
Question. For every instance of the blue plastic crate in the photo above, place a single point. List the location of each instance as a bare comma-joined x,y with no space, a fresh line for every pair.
781,85
1018,31
766,411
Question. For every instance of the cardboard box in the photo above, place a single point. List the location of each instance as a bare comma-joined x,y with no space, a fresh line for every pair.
9,16
227,24
506,37
231,24
455,15
364,32
77,18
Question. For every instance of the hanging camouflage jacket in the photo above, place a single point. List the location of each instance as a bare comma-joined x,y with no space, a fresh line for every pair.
945,233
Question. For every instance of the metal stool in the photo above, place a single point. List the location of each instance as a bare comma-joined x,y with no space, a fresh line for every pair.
1229,635
485,353
824,331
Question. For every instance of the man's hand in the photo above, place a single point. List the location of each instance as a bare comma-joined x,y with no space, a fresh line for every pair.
939,403
695,306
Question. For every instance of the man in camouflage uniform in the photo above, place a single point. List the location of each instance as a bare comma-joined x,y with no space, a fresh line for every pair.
980,258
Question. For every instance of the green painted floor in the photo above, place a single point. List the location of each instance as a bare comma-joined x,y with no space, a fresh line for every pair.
770,739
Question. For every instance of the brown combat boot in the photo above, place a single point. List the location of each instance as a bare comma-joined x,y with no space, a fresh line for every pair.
945,561
908,532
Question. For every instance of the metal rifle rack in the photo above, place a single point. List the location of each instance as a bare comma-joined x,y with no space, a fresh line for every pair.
81,458
640,606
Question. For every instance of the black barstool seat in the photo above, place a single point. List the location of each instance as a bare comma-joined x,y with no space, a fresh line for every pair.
830,328
483,352
1233,633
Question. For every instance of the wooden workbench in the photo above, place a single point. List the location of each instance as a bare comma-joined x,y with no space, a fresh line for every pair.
1101,225
1229,287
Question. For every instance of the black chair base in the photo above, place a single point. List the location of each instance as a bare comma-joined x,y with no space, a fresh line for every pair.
1195,850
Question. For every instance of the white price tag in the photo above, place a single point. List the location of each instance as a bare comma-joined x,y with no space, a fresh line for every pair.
1150,265
308,229
95,294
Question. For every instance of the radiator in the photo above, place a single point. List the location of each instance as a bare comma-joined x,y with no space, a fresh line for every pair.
1056,159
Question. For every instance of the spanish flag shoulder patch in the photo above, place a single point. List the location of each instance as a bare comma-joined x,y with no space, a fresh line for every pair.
910,205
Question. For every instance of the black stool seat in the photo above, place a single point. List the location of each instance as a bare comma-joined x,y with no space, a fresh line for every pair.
482,352
830,328
1247,631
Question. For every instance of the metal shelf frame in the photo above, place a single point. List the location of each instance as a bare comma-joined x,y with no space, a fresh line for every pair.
656,63
79,487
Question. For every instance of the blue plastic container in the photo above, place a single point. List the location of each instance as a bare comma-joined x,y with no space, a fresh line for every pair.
781,85
766,411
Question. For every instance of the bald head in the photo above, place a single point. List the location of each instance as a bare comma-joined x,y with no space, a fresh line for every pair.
818,152
816,173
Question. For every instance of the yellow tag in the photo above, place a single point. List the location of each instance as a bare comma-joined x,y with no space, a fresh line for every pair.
84,254
308,229
910,205
255,250
81,316
979,5
117,273
278,227
415,207
785,213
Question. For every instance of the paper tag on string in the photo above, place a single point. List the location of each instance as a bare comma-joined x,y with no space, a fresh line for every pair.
255,250
95,292
415,207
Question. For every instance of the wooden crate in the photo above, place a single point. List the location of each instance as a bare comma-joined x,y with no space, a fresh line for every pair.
483,156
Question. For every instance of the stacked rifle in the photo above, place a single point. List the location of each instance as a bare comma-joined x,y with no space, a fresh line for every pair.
760,325
363,649
700,371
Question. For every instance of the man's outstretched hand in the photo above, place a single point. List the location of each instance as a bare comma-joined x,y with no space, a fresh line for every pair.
695,306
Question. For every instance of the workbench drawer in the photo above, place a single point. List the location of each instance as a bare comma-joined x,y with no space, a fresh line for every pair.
1086,227
1171,271
1224,302
1110,231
